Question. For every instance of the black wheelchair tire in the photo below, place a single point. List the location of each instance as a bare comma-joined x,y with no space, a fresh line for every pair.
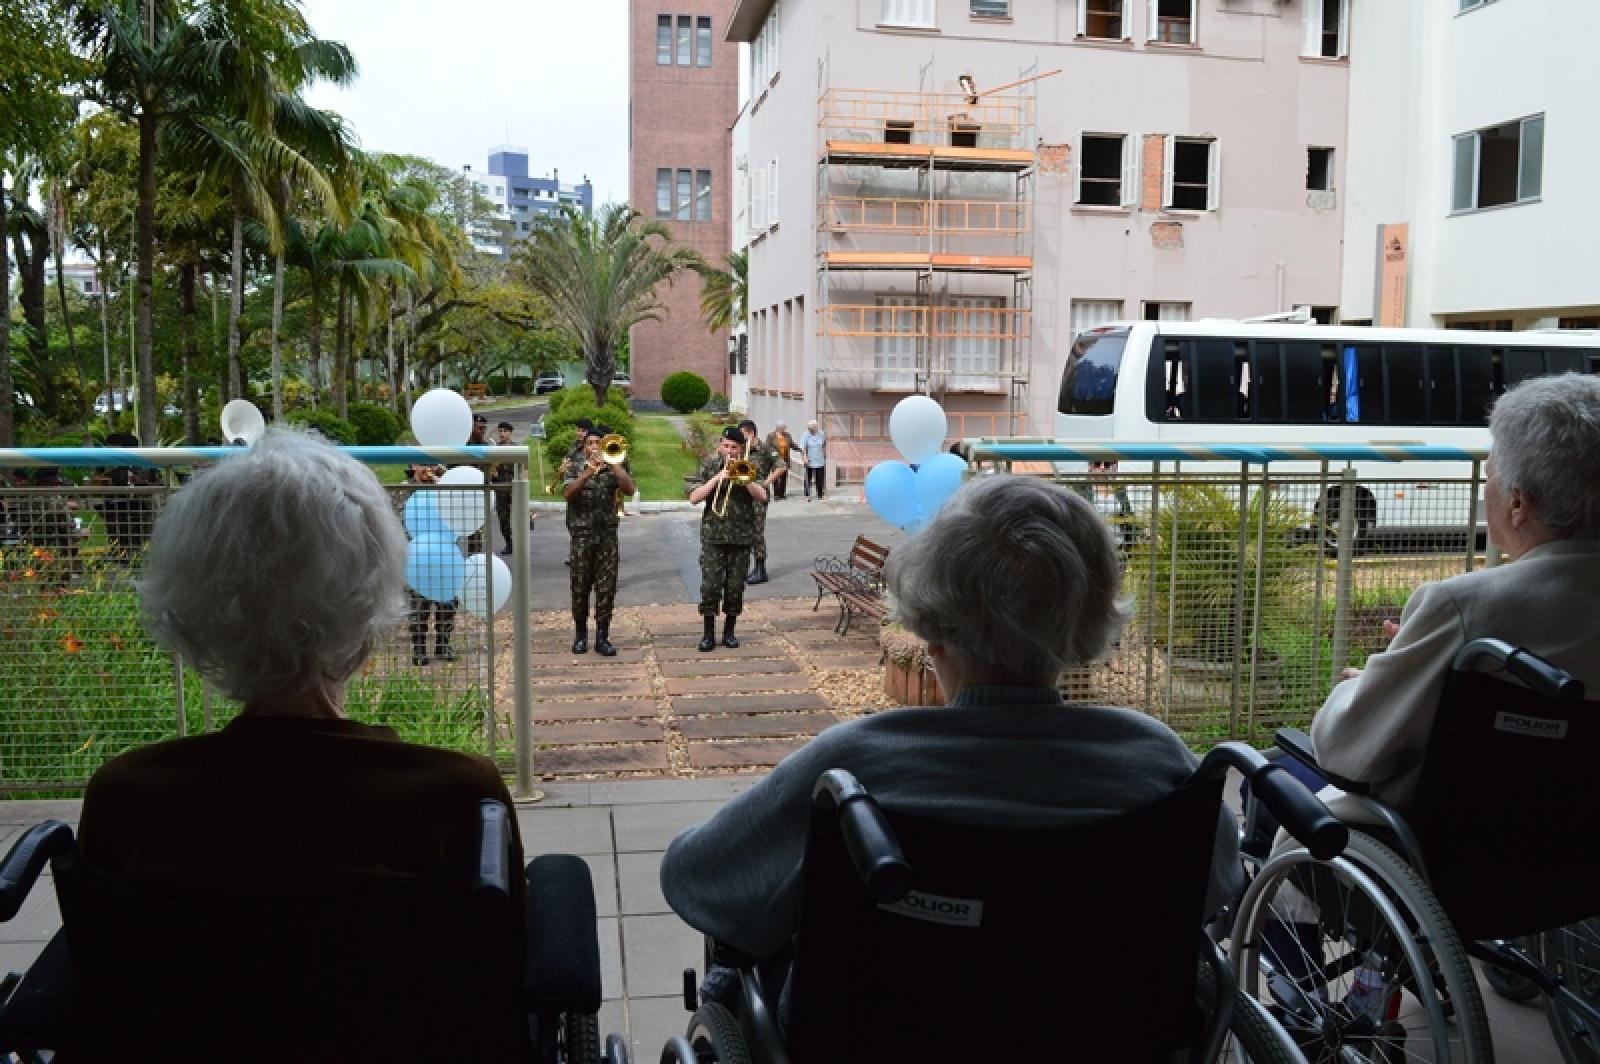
1509,985
1255,1034
1572,953
580,1038
715,1036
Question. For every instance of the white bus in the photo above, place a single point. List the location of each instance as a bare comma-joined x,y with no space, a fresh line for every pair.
1240,382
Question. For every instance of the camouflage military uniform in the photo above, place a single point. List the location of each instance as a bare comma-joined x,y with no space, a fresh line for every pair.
592,524
765,459
502,475
724,546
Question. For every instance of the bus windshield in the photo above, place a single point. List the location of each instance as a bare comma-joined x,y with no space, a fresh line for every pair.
1089,383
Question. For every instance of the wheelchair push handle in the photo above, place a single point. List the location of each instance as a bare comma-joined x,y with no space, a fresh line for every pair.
868,838
1543,678
1301,813
21,867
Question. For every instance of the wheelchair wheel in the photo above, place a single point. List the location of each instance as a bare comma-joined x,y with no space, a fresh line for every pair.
580,1038
1357,961
1254,1034
1510,986
715,1036
1573,954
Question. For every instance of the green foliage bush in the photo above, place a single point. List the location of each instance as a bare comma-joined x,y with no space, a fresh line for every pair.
575,403
331,425
376,426
702,435
685,392
555,399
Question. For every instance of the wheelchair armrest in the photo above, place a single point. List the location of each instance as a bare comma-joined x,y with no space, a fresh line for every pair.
22,866
875,852
561,971
1297,744
492,885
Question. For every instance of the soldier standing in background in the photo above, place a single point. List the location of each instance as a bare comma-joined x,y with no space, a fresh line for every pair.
503,473
590,491
766,463
725,540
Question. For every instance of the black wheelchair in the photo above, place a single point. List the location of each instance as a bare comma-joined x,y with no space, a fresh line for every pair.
922,940
425,968
1367,957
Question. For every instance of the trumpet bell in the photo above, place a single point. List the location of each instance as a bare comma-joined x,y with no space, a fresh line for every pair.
614,449
742,471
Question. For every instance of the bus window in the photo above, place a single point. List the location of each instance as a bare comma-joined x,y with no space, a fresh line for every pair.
1089,383
1402,366
1266,367
1594,361
1171,399
1365,402
1305,385
1564,360
1443,402
1243,381
1477,365
1216,385
1521,363
1333,383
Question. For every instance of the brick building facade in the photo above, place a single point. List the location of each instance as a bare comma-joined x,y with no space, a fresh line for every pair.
684,91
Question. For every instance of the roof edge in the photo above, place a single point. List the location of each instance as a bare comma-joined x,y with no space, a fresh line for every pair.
746,21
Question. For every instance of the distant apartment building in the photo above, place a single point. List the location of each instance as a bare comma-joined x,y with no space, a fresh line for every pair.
683,84
1472,145
82,277
520,199
941,194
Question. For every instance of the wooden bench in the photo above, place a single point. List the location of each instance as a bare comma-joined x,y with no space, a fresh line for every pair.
855,582
476,390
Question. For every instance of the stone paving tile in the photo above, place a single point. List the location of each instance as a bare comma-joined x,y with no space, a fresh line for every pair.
865,660
655,951
588,733
594,709
649,828
717,685
754,725
732,755
574,760
738,703
580,831
687,651
639,884
625,656
599,688
653,1020
707,665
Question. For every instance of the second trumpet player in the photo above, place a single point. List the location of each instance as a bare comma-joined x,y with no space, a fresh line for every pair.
727,529
591,492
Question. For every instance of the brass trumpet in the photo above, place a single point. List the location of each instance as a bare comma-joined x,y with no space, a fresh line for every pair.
614,449
741,472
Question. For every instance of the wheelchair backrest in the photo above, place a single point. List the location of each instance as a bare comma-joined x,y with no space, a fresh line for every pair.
1506,808
1088,932
414,969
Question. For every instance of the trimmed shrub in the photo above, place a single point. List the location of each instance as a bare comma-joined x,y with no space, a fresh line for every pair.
578,402
376,426
555,399
685,392
331,425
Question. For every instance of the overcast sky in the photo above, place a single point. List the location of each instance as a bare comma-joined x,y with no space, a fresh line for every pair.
449,79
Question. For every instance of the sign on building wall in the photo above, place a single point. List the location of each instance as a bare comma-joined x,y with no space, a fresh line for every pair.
1394,266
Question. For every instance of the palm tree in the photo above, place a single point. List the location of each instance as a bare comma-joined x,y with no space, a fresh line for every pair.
598,276
725,294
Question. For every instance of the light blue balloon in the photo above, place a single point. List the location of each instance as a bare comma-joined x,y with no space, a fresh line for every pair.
435,568
892,492
422,516
937,480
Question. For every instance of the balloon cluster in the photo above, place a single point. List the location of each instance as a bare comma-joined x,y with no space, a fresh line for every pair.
909,496
435,568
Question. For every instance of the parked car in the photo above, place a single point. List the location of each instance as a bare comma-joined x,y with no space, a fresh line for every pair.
548,382
623,381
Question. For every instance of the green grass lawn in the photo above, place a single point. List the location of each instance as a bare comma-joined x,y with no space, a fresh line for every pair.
658,458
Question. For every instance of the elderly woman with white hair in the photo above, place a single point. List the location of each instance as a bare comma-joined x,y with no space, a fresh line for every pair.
1541,499
274,574
1015,580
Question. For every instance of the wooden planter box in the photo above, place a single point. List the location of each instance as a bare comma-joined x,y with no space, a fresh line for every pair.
911,685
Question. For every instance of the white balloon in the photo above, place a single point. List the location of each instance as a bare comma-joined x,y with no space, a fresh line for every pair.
242,420
486,576
917,427
441,418
462,511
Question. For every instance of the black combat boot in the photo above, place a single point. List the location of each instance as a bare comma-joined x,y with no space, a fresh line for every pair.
580,645
758,575
728,638
442,651
419,648
602,640
708,641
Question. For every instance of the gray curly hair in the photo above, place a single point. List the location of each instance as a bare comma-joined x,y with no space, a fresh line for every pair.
274,572
1547,444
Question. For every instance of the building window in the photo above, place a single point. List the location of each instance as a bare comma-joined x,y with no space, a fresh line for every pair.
1105,177
764,52
1103,19
1172,21
1470,5
1087,313
975,328
908,12
685,39
702,195
990,8
1319,169
663,40
1191,174
1499,165
772,191
685,194
702,41
1327,28
663,193
897,327
1166,311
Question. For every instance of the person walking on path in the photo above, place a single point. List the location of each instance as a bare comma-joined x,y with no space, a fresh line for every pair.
503,473
781,443
724,538
814,445
766,462
590,491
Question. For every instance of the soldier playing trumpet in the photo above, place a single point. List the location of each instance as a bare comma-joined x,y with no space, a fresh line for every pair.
730,487
590,491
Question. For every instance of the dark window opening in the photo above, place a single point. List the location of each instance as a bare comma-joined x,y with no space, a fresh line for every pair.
1406,384
1304,386
1100,171
1444,404
896,131
1319,169
1175,21
1331,11
1497,164
1478,369
1103,18
964,135
1191,171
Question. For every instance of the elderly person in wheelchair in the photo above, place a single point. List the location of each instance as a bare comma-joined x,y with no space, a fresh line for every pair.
1015,580
1456,779
275,574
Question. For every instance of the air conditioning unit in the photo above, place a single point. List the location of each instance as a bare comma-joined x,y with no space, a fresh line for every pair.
741,162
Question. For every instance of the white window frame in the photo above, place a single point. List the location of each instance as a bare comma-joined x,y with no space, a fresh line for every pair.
918,14
1128,194
1213,173
772,191
895,359
1085,314
1083,20
997,10
1472,5
1153,24
664,22
1473,140
758,200
1311,48
975,359
710,40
